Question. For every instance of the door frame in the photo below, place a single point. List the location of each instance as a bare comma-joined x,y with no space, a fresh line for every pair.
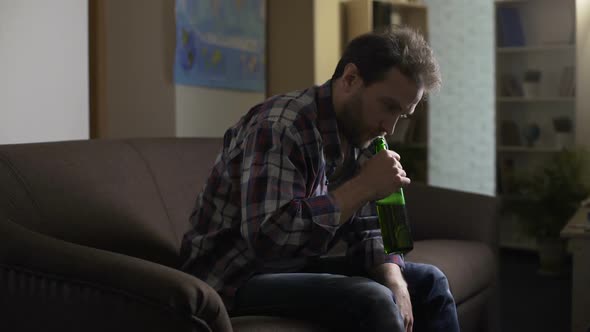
97,67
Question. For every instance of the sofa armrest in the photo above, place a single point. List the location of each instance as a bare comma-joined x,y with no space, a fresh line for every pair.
438,213
49,284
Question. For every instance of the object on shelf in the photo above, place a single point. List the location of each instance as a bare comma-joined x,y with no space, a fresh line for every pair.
531,83
562,124
531,134
510,30
381,15
395,18
563,132
567,83
563,140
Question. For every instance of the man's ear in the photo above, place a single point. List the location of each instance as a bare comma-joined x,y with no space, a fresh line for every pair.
350,76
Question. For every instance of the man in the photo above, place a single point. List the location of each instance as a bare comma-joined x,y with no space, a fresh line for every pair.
297,174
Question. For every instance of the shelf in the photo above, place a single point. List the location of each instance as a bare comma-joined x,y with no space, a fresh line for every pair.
537,48
518,2
535,100
526,149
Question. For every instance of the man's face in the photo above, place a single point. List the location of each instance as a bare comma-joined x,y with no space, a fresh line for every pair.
371,111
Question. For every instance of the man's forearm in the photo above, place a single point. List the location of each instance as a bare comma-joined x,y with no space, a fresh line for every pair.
350,197
388,274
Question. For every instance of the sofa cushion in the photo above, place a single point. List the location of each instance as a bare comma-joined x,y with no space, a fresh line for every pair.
469,266
466,215
271,324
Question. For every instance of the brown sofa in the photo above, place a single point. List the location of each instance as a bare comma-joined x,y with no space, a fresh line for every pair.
90,234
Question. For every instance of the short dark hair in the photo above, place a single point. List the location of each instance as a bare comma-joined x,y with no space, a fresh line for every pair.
375,53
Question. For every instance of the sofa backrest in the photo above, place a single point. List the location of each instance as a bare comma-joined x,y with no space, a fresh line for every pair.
129,196
441,213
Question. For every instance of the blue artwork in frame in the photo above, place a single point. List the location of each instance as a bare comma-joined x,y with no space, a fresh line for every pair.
221,44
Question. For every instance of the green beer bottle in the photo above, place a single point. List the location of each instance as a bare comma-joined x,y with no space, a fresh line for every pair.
393,218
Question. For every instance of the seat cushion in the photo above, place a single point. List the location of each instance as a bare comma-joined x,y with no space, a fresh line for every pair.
469,266
272,324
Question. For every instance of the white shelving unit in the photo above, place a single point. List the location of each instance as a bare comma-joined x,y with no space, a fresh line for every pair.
548,28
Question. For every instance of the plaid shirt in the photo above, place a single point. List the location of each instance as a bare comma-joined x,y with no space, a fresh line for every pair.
266,206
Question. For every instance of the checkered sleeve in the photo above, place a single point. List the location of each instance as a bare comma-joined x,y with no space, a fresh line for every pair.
280,216
365,244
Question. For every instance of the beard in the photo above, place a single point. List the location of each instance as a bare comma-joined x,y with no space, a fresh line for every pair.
351,124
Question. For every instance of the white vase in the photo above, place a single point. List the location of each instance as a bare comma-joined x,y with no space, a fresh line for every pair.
531,89
563,140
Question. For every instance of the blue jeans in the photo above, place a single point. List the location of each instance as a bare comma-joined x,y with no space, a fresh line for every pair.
341,298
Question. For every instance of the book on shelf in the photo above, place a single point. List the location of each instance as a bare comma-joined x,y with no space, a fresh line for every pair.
381,15
385,15
562,26
395,17
510,32
567,82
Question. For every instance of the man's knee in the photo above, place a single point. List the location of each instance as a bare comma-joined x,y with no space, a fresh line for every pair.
373,292
436,282
378,304
440,280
